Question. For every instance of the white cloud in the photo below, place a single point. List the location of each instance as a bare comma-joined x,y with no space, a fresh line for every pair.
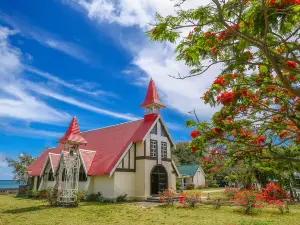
47,39
83,86
41,90
139,13
15,102
3,162
29,132
156,60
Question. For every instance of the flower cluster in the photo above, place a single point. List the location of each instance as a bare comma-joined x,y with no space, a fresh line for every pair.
248,200
189,199
226,98
195,133
167,196
231,192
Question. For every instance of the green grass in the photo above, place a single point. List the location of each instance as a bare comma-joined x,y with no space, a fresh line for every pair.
211,191
27,211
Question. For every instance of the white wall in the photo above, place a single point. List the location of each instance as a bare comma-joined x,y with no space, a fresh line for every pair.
199,177
124,184
105,185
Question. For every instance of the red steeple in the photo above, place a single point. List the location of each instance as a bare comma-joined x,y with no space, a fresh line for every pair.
73,134
152,97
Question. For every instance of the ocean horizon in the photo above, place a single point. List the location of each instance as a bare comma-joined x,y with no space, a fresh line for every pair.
6,184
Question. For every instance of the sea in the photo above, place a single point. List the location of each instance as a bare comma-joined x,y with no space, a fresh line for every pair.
9,184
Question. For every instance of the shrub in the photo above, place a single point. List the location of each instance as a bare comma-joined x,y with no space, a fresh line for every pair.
35,194
93,196
167,196
29,193
274,192
52,196
231,192
122,198
190,187
43,194
82,195
190,200
248,200
275,196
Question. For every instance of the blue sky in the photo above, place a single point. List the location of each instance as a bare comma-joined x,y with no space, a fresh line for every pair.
89,59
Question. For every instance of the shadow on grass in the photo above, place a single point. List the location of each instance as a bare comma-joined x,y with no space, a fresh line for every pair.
24,210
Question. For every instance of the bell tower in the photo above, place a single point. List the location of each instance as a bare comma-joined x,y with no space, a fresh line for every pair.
152,103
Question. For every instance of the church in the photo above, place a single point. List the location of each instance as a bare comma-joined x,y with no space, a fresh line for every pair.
132,158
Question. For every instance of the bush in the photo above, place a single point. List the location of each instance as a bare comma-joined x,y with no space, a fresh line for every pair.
190,200
231,192
93,196
29,193
249,200
190,187
35,194
275,196
122,198
167,196
52,196
274,192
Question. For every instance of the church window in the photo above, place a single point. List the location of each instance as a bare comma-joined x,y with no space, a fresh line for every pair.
50,176
82,175
164,150
153,148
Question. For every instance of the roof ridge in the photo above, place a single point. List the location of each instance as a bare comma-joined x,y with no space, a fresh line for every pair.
111,126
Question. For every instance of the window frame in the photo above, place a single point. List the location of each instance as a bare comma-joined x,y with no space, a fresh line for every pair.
51,176
153,152
82,175
164,156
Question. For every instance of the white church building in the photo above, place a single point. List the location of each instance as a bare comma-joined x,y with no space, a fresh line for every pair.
132,158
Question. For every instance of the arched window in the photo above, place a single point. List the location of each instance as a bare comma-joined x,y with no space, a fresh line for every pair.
50,176
82,174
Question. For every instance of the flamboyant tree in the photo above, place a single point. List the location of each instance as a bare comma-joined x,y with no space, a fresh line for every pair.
258,89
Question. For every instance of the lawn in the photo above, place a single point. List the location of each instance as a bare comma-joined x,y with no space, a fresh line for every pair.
27,211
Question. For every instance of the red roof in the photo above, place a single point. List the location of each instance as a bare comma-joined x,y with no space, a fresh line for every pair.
87,157
152,96
73,134
109,144
54,160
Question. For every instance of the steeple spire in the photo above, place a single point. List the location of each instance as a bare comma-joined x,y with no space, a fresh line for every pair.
152,103
73,134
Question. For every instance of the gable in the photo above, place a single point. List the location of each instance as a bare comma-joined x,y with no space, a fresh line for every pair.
188,170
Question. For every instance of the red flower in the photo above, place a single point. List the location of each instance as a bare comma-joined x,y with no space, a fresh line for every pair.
195,133
226,98
195,28
213,51
154,31
275,100
186,54
235,27
216,130
291,64
260,140
194,149
283,134
220,81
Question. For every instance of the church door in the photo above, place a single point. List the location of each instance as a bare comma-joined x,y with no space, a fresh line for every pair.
159,180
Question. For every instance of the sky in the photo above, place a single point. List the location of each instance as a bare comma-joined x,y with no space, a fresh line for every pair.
89,59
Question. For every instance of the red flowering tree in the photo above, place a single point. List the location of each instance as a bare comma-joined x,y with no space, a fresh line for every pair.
259,86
